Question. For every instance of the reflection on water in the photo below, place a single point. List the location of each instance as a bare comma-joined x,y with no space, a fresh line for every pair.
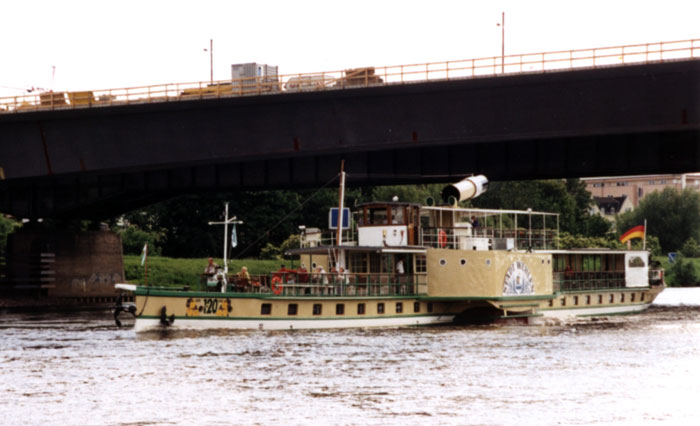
80,369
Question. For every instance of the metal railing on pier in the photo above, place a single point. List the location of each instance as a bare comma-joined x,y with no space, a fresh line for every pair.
359,77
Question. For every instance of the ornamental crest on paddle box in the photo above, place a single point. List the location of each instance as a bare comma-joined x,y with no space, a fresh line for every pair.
518,280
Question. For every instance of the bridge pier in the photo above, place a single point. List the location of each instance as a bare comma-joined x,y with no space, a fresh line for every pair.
62,268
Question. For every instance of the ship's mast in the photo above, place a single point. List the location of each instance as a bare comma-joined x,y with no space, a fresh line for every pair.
226,222
341,197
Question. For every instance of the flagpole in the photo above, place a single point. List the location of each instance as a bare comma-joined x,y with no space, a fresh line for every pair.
145,263
644,244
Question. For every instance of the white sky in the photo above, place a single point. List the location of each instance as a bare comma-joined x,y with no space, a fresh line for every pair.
101,44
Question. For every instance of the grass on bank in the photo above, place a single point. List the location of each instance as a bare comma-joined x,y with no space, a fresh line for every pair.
170,272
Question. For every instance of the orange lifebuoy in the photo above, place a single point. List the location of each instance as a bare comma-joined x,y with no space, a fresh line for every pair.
442,238
276,284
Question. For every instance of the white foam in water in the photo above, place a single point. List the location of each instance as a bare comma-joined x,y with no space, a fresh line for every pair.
679,296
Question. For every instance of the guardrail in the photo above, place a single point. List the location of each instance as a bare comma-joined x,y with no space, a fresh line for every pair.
359,77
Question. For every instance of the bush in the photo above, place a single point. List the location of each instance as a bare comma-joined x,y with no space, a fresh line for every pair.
7,226
292,242
133,239
270,252
683,273
691,248
568,241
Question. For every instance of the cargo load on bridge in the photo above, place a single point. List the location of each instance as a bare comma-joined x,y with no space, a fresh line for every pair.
404,264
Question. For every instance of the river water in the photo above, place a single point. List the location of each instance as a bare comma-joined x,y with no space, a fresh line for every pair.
79,369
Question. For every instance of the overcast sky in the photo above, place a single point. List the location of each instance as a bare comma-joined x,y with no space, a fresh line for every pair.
109,44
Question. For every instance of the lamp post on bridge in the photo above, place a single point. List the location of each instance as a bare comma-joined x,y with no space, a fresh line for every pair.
211,60
503,40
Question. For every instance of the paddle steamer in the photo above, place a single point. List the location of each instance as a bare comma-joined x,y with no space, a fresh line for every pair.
404,264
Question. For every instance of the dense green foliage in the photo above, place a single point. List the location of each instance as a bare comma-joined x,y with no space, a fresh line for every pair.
134,238
568,197
691,248
672,215
568,241
7,226
683,273
180,226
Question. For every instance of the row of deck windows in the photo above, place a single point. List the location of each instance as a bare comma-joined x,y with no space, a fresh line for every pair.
293,308
611,299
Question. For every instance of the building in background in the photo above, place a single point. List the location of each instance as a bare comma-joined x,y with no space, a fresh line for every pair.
635,188
608,207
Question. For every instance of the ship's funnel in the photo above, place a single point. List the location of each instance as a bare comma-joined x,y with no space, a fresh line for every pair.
466,189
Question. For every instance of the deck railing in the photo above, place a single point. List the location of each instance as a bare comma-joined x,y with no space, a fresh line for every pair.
322,284
360,77
463,239
576,281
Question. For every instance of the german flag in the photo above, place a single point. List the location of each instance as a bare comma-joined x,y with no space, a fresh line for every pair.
636,232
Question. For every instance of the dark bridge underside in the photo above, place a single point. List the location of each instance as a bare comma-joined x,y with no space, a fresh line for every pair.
102,161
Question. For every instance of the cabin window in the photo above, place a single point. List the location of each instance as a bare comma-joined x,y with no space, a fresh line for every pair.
591,263
397,216
340,309
317,309
462,262
551,302
488,262
360,309
632,297
265,309
563,301
380,308
622,298
588,300
421,264
292,309
641,298
575,300
612,298
416,306
430,306
399,307
443,262
377,216
357,262
600,299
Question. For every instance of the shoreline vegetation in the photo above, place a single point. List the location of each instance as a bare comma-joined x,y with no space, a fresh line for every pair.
178,272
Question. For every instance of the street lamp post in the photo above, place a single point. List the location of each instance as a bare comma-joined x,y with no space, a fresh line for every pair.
211,60
503,40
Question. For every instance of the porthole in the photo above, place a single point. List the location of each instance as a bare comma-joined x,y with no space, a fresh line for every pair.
462,262
488,262
443,262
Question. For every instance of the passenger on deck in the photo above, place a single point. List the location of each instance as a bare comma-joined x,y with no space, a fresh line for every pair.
244,273
211,267
303,274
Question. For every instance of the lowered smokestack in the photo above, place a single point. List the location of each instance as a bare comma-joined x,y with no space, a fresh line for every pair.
466,189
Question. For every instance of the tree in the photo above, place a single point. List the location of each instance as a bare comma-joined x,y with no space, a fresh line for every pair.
672,215
7,226
568,197
691,248
683,273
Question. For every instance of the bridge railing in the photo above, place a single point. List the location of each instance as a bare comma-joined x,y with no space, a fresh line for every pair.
359,77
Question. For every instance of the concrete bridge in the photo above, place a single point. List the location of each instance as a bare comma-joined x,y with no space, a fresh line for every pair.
98,159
